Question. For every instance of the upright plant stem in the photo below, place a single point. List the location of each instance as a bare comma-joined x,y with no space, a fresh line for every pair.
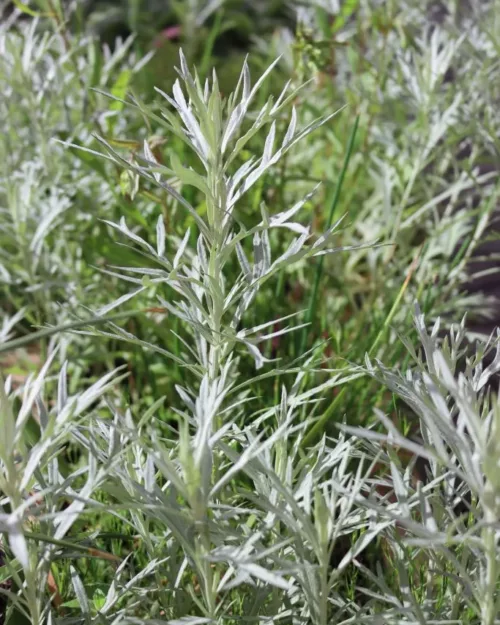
333,207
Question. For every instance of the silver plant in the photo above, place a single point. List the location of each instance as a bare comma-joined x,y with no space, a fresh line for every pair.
450,517
237,519
211,448
41,77
33,486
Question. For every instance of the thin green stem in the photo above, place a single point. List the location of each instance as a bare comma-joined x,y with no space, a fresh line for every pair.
333,207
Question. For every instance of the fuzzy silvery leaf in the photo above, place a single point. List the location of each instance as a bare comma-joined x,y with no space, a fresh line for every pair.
17,543
259,358
294,252
267,576
202,254
47,224
8,323
290,133
269,145
148,153
81,596
122,227
262,78
32,390
160,236
169,120
35,458
244,264
104,310
186,398
74,406
192,126
262,254
64,522
190,620
282,219
181,249
241,173
268,324
62,387
233,125
257,172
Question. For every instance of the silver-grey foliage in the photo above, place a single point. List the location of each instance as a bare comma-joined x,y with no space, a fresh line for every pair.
236,518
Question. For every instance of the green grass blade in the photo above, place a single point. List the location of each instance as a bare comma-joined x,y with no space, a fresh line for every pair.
319,427
333,207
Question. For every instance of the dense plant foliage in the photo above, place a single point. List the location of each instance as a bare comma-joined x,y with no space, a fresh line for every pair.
219,400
